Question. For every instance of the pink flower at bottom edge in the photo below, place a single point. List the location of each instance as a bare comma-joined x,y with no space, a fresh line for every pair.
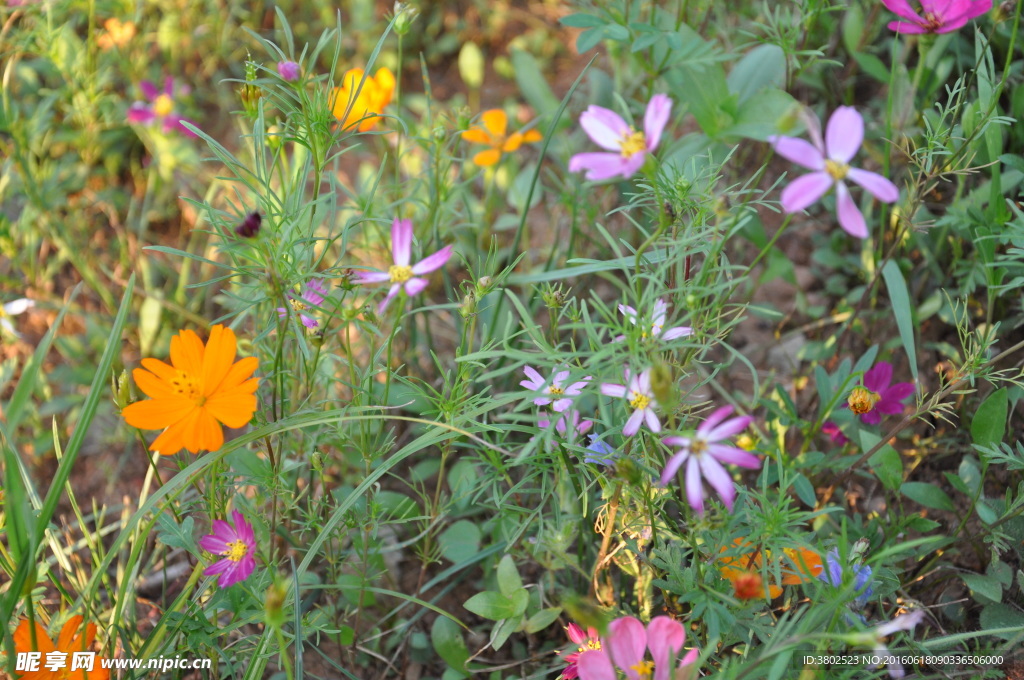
625,648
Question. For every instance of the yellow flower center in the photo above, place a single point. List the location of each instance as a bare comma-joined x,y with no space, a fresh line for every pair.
698,446
164,105
589,645
399,273
862,400
554,389
836,170
639,401
645,669
236,551
632,143
186,385
297,305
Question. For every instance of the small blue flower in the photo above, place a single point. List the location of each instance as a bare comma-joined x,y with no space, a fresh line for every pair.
603,454
833,575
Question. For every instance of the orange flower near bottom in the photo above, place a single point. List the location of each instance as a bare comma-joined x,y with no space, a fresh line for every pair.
351,103
494,134
73,638
798,566
202,390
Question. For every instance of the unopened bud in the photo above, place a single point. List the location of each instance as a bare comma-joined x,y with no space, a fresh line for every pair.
663,386
274,136
405,14
122,390
468,307
250,226
273,606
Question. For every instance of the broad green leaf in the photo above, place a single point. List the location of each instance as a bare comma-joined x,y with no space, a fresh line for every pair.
1001,616
760,68
766,113
927,495
987,587
509,581
460,541
542,619
491,605
581,20
804,490
901,309
448,643
501,632
989,423
885,463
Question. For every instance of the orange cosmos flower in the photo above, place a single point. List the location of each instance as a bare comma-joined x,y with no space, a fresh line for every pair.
117,33
494,134
190,400
798,565
353,103
58,657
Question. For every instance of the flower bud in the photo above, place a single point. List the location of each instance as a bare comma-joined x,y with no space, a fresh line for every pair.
122,390
468,307
273,604
273,137
663,386
405,14
250,226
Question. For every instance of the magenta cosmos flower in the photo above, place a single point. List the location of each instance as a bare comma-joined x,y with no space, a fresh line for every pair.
236,544
703,455
935,16
626,645
289,70
656,330
628,147
159,108
312,295
834,433
876,395
554,391
830,160
569,425
401,275
637,391
584,641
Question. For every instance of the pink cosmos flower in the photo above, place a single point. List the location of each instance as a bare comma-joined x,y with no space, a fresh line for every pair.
236,544
400,274
569,426
554,388
834,433
289,70
830,160
637,391
657,323
940,16
877,396
628,147
312,295
704,456
160,107
625,647
584,641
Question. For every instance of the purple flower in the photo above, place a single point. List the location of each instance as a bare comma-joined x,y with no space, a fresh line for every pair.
877,637
569,426
830,160
877,396
940,16
555,388
400,274
289,70
250,226
160,107
236,544
657,325
625,648
703,456
637,391
834,433
312,295
833,574
628,146
600,452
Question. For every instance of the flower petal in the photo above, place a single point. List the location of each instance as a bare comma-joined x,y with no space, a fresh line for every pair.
655,118
694,489
653,424
495,121
879,377
879,187
594,664
231,408
850,217
401,241
805,190
372,277
604,127
612,390
902,8
156,414
632,425
218,357
665,638
433,262
627,642
734,456
729,428
487,158
719,479
187,353
23,638
599,166
712,421
844,134
798,151
415,286
906,28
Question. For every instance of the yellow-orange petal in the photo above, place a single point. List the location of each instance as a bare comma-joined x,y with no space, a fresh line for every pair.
495,121
160,369
238,373
156,414
487,157
774,591
187,353
209,434
385,81
180,435
23,638
69,631
218,358
232,409
152,386
514,141
478,136
531,136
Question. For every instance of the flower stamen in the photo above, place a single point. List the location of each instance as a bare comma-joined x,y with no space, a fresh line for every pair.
836,170
633,142
236,551
639,401
399,273
163,105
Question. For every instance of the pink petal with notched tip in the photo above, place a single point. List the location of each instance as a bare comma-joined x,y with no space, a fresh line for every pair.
805,190
729,428
433,262
901,8
536,380
599,166
604,127
850,217
594,664
712,421
734,456
655,118
799,151
906,28
652,420
665,639
627,642
401,241
632,425
844,134
878,186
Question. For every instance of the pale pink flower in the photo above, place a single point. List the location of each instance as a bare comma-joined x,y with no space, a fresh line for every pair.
656,329
628,148
625,648
554,391
159,107
401,275
830,159
703,455
569,425
312,295
876,636
289,70
935,16
637,391
9,309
